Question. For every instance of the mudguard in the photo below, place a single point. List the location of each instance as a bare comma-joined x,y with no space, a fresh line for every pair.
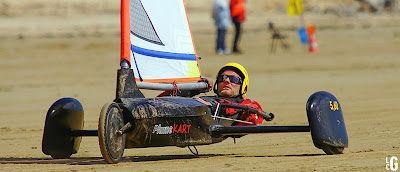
326,121
65,114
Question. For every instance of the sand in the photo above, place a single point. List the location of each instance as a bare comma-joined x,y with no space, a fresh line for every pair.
44,57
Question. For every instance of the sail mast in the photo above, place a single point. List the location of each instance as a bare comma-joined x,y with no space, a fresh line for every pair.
125,32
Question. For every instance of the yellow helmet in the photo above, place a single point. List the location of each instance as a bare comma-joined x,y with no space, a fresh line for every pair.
241,71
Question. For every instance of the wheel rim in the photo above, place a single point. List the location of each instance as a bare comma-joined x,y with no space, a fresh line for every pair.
115,141
111,143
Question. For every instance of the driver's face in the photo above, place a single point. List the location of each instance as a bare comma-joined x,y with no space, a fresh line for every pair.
227,88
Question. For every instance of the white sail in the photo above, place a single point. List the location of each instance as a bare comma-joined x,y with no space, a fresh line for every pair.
162,48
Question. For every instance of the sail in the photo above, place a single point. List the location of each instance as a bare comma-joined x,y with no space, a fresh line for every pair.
161,47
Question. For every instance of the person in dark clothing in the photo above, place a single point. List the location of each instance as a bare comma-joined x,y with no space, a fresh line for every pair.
238,15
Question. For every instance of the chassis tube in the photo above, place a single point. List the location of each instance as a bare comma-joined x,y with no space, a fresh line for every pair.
218,130
78,133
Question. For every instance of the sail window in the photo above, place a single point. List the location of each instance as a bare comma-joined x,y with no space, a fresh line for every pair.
141,25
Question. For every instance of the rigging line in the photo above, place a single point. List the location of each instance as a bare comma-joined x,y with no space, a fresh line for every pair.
176,89
137,68
197,152
231,119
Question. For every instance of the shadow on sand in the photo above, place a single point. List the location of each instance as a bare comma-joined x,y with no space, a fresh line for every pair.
100,160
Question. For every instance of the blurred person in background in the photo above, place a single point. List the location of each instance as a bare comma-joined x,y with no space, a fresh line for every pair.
221,16
238,15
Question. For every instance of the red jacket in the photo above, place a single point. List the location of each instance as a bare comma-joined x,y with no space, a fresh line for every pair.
245,116
238,8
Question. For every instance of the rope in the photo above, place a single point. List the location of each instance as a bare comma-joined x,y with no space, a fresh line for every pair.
197,152
176,89
172,93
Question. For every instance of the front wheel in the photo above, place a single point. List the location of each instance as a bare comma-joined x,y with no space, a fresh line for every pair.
112,143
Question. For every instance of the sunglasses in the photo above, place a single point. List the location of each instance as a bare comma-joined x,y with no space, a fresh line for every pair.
232,78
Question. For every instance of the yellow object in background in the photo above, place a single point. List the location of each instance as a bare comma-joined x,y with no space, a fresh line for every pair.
295,7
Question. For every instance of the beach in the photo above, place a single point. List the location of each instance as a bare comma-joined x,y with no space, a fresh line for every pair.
49,54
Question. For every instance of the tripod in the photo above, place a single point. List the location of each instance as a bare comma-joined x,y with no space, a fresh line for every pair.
276,37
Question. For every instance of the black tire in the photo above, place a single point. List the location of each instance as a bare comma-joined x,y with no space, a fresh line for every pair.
112,144
331,150
60,155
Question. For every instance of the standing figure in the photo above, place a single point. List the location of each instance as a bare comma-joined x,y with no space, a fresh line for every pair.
238,14
222,22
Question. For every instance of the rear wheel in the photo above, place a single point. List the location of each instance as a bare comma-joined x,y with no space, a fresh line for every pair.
112,144
331,150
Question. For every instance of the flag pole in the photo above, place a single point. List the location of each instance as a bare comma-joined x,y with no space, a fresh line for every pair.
303,22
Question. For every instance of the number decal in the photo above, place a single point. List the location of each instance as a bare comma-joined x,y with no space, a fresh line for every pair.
334,105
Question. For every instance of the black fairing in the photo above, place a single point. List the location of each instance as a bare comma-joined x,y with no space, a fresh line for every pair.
126,85
326,120
65,114
168,121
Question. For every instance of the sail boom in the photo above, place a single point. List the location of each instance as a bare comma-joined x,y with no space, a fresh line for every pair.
170,87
